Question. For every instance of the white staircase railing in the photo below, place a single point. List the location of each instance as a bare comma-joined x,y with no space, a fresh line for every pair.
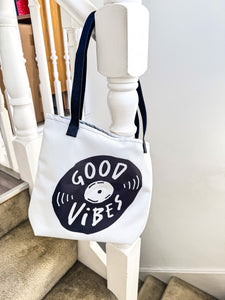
57,84
27,141
122,27
66,25
45,88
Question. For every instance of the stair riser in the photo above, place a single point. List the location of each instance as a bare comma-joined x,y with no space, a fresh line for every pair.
14,211
178,289
152,289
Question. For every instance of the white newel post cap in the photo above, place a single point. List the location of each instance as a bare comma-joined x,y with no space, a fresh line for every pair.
122,38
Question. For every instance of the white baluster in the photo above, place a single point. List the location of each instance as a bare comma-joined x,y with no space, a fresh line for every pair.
122,46
3,154
74,34
66,26
27,141
10,110
57,84
123,101
7,134
67,63
45,87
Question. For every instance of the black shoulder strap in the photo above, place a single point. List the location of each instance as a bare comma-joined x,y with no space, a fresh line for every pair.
79,80
79,83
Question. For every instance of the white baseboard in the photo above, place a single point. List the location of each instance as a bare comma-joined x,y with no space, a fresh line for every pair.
210,281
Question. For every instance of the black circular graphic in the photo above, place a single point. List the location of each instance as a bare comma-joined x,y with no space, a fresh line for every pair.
94,193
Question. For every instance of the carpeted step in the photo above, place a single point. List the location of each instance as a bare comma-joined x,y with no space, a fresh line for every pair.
31,266
14,211
80,283
178,289
152,289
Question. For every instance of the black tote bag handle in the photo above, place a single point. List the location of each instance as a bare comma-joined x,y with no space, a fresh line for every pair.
79,83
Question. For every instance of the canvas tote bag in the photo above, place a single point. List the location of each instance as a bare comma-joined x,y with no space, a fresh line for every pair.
90,184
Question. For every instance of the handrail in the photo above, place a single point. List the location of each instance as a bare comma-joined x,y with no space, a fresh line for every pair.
79,9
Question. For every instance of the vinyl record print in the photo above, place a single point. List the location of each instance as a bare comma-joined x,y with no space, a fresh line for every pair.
94,193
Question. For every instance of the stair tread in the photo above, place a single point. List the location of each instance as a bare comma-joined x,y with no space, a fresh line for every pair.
152,289
31,266
178,289
80,283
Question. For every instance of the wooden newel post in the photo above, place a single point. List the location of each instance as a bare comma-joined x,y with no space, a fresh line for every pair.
122,53
27,141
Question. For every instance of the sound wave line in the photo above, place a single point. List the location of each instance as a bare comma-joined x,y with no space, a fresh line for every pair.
62,198
134,184
138,182
57,199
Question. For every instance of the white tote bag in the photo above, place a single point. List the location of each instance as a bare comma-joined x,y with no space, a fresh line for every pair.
90,184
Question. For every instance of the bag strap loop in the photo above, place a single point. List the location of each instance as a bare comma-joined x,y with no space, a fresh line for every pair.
79,83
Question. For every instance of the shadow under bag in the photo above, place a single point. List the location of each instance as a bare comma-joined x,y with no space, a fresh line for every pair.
90,184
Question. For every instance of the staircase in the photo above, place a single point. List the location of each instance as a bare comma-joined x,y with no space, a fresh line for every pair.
177,289
34,268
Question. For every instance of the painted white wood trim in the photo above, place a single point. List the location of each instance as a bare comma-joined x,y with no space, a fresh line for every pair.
92,255
10,111
123,103
118,1
7,135
78,10
122,39
57,84
123,269
26,142
45,87
73,36
3,154
66,26
13,62
67,63
121,31
182,270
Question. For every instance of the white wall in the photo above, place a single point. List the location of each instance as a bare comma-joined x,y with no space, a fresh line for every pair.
185,87
185,92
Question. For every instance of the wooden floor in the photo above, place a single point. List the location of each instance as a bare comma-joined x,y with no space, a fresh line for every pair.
7,182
